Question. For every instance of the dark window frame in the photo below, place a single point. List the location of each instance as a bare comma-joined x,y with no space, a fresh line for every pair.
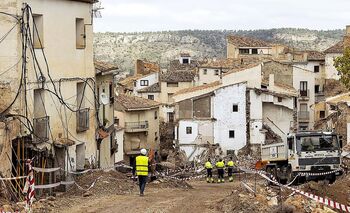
189,130
231,133
144,83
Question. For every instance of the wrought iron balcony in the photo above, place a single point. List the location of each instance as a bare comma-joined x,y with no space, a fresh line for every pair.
304,94
304,116
140,126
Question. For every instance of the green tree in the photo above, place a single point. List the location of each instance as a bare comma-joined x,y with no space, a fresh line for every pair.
342,64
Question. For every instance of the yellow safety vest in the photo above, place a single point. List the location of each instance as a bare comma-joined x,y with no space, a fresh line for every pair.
230,163
220,164
208,165
141,165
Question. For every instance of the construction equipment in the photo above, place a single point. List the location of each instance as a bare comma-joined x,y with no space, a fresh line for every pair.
311,153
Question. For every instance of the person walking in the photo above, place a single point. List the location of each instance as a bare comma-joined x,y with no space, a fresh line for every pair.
209,168
142,170
220,165
230,166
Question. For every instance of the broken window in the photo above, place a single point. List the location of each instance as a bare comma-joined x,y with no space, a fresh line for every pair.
279,99
38,31
170,84
235,108
205,71
80,33
244,51
254,51
322,114
201,107
232,134
316,68
150,97
144,83
188,130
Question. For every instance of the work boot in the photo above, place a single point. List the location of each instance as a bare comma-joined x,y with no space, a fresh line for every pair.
223,180
219,181
208,180
212,180
231,179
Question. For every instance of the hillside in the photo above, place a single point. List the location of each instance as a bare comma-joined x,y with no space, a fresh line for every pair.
125,48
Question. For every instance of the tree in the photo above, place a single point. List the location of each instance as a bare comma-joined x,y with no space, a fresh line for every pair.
342,64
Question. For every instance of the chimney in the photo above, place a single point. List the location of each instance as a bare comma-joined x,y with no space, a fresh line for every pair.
346,39
271,80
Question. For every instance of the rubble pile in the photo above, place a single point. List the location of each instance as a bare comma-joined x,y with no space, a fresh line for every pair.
170,183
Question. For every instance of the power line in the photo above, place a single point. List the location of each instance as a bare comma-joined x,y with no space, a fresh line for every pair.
6,34
7,70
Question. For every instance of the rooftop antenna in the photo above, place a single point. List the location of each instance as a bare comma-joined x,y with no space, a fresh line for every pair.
96,10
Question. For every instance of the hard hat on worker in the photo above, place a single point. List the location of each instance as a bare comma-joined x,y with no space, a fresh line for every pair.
143,151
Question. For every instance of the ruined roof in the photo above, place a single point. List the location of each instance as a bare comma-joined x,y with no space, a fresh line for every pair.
241,41
197,88
148,66
185,55
219,63
337,48
151,89
101,66
130,102
342,98
315,56
177,76
175,65
281,88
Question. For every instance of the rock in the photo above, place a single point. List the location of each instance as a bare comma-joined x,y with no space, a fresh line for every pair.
314,186
43,200
273,201
51,198
51,204
87,194
241,195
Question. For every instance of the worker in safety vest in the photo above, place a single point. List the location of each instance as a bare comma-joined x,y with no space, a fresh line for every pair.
209,168
230,166
220,165
142,170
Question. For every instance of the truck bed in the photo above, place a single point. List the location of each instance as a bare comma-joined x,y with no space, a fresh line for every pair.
274,152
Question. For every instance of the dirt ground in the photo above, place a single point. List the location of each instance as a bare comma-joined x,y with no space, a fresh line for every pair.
203,197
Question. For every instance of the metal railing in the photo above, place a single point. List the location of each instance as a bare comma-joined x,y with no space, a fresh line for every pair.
134,126
83,120
41,129
304,93
304,115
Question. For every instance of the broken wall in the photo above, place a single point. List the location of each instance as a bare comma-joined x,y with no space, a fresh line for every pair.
283,73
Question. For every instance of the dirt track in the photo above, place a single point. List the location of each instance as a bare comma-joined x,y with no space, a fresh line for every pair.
202,198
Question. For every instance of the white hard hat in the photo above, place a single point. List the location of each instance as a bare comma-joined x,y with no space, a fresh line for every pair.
143,151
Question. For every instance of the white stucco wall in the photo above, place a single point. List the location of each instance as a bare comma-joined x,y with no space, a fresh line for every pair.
151,78
209,77
119,136
251,75
331,71
227,120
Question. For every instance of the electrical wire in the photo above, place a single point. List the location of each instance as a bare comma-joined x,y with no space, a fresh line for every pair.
13,66
6,34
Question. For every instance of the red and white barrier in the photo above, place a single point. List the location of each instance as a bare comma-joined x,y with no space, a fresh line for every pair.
29,188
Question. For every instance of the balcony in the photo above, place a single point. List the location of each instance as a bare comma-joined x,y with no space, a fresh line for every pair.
41,129
319,96
141,126
83,120
303,116
304,94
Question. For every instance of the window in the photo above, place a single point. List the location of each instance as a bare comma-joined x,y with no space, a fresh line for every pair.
170,97
303,107
205,71
333,107
156,115
279,99
244,51
188,130
135,83
111,93
254,51
317,88
231,134
216,72
80,92
303,88
316,68
116,121
155,136
322,114
80,33
144,83
170,117
185,61
176,84
150,97
38,31
235,108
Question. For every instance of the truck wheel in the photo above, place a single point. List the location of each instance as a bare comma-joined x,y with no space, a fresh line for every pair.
331,178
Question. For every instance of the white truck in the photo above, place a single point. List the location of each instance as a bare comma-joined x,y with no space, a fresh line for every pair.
304,152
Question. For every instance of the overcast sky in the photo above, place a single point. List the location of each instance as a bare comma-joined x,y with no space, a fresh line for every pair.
157,15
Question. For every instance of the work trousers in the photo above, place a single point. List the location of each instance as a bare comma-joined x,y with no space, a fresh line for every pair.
229,171
142,183
209,173
221,173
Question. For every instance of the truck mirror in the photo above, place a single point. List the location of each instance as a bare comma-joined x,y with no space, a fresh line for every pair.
341,143
290,144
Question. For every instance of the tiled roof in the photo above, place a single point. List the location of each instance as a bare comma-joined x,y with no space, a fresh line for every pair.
337,48
345,97
129,81
241,41
242,68
175,65
177,76
197,88
101,66
219,63
185,55
153,88
130,102
315,56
